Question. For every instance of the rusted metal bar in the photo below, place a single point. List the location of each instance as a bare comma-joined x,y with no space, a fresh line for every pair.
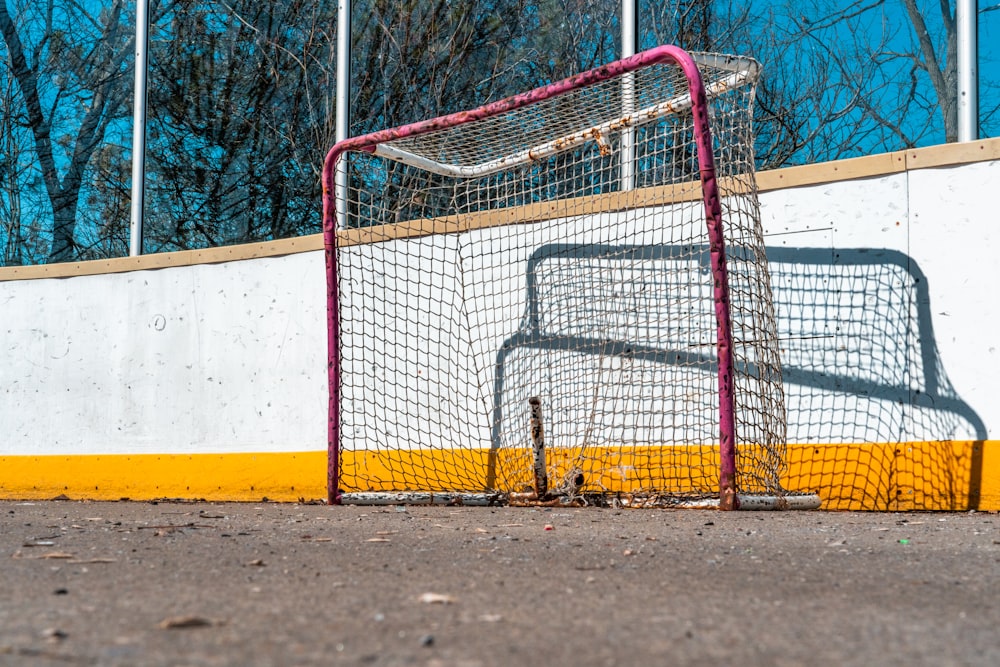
538,448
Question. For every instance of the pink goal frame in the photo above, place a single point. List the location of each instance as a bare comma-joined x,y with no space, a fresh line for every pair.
713,214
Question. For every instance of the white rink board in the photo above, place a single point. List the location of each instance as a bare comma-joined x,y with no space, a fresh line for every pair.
206,358
886,312
864,357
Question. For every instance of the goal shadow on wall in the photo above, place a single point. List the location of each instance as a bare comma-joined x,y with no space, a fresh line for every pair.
873,421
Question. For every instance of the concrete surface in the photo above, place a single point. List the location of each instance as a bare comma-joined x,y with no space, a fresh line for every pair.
92,583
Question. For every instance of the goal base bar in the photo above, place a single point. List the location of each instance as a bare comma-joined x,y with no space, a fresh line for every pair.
804,501
748,502
423,498
755,502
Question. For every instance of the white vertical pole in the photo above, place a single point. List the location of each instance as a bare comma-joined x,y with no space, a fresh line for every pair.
628,17
966,23
139,128
343,103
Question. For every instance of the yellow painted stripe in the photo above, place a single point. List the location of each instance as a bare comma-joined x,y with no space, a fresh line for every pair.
241,477
958,475
604,469
949,475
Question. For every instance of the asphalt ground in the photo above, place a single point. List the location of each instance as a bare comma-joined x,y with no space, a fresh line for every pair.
168,583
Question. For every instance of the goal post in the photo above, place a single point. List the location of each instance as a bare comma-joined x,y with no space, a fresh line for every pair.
556,262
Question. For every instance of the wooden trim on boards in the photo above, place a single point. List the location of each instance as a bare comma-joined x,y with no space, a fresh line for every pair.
529,213
870,166
950,476
165,260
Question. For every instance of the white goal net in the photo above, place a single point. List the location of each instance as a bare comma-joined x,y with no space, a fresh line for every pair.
560,297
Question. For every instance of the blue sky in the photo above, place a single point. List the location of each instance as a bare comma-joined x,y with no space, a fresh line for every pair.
988,47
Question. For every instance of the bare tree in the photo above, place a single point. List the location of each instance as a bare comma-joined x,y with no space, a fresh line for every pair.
840,78
239,117
943,72
241,96
73,84
12,174
900,56
416,59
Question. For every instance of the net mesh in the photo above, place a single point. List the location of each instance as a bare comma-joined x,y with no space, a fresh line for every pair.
470,280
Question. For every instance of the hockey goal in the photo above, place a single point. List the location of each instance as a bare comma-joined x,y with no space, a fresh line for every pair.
560,297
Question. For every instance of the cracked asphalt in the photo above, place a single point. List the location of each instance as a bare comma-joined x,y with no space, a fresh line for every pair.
172,583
